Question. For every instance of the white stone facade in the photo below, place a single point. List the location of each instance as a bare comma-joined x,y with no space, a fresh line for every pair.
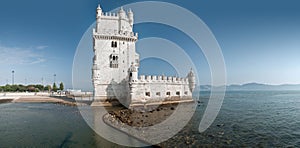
116,63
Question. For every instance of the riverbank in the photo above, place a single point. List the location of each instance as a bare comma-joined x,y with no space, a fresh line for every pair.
40,99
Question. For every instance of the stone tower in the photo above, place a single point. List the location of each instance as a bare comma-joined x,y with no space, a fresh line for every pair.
114,53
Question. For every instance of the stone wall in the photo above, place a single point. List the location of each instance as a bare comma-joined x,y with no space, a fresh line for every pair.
158,88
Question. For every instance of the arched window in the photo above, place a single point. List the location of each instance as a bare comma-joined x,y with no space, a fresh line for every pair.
114,44
113,61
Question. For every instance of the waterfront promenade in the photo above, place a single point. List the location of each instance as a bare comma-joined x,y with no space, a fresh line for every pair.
36,97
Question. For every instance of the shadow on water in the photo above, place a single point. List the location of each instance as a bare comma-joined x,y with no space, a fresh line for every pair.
66,140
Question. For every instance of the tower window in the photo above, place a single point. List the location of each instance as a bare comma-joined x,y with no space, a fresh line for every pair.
114,44
157,93
178,93
147,94
168,93
113,61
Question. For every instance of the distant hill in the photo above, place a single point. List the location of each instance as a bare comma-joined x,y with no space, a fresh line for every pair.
255,86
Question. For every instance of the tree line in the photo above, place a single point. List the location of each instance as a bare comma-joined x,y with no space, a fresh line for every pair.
31,88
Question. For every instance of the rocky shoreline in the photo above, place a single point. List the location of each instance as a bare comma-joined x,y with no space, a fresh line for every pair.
140,117
135,122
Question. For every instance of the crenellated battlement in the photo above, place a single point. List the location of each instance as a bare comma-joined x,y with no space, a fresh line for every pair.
116,16
114,32
161,79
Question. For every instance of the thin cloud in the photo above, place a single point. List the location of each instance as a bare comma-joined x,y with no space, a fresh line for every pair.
18,56
41,47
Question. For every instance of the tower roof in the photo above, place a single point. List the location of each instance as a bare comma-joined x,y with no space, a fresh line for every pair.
98,8
121,10
130,11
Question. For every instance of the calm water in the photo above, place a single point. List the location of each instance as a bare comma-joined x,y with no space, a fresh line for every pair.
45,125
253,118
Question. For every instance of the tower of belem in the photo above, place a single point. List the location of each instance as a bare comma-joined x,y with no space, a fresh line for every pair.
116,63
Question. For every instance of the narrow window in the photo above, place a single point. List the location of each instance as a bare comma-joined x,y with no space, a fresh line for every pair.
112,44
178,93
157,93
186,93
113,61
147,94
168,93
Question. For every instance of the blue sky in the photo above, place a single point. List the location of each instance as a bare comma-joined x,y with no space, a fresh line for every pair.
259,39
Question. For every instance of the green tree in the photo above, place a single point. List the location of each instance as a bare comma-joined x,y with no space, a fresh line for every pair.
54,87
61,86
7,88
40,87
22,88
31,88
48,88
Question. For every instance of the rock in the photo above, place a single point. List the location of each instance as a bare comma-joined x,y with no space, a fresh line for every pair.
211,136
228,141
220,125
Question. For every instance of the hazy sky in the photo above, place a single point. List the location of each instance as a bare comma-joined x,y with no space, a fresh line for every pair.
260,40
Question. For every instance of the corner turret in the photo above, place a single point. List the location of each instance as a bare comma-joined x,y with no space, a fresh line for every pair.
98,17
130,16
192,80
133,73
122,14
99,12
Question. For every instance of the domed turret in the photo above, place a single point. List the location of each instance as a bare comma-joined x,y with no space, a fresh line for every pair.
192,80
99,12
122,14
130,16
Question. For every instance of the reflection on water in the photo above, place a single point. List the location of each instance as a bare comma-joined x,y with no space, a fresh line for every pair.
253,118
